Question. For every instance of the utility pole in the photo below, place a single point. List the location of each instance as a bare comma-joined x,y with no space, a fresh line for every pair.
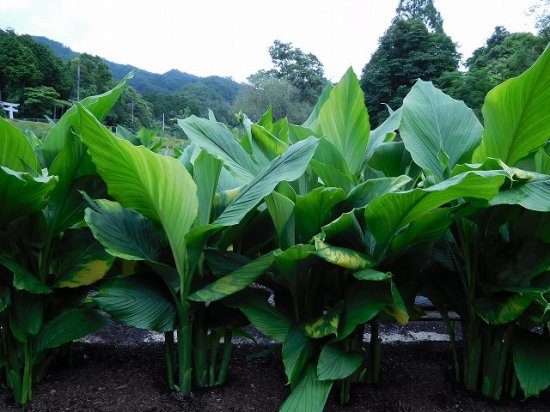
78,83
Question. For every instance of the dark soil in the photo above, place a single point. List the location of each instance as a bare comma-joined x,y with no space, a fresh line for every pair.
120,375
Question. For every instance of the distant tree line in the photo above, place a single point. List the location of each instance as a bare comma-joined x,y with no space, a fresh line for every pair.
34,76
414,46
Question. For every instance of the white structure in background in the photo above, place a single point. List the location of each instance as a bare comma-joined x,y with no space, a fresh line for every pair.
11,108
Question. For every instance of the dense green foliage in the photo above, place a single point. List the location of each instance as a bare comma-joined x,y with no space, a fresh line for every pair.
31,71
505,55
48,257
290,88
41,75
265,91
303,71
415,46
407,51
340,224
423,10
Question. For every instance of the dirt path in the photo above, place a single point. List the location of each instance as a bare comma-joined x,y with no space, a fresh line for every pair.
119,375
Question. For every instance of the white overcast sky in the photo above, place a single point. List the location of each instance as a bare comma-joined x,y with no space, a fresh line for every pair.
231,37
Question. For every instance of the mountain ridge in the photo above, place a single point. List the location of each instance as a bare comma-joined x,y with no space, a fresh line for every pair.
146,82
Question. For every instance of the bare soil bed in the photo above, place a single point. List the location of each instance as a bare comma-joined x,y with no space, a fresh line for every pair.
123,373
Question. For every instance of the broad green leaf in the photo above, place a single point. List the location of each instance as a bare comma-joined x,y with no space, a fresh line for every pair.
503,309
228,182
288,261
73,165
123,232
532,194
329,154
531,360
22,193
310,395
267,119
371,274
224,199
542,162
79,260
345,230
235,281
216,139
312,122
336,363
267,319
206,172
25,315
296,352
528,189
364,193
362,303
265,146
315,210
16,153
516,115
396,306
223,262
140,301
99,106
437,130
538,161
287,167
378,135
281,130
343,257
297,133
425,228
325,325
196,241
342,224
344,120
281,210
68,326
331,176
187,157
125,134
23,279
156,186
391,158
392,212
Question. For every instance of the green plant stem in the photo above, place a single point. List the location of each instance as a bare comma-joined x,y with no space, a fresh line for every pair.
373,364
169,355
44,267
215,343
26,389
185,354
514,384
452,339
345,389
472,353
227,351
200,345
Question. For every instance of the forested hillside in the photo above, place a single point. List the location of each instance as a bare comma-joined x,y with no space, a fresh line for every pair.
41,75
146,82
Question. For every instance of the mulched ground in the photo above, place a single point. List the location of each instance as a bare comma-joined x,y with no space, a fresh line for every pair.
120,375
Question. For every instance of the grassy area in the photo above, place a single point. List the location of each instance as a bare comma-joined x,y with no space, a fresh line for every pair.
170,143
41,130
38,128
